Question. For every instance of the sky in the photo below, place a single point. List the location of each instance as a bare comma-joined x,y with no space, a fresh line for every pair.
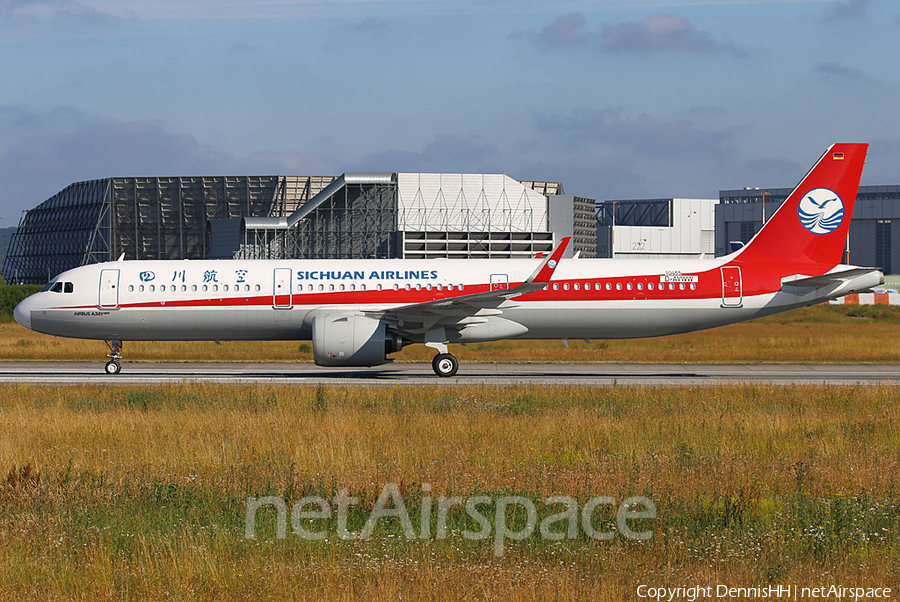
615,99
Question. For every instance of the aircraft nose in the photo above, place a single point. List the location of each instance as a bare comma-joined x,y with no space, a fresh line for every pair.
22,313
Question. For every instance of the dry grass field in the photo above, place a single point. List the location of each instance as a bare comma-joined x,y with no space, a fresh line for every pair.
835,334
139,493
130,493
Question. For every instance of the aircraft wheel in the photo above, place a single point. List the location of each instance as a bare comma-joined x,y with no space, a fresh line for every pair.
113,367
445,364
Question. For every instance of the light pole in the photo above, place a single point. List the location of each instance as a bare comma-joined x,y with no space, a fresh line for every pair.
763,193
612,246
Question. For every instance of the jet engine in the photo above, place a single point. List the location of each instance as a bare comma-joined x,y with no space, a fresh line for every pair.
348,340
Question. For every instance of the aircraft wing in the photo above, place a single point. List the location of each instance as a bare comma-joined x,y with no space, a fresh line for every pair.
466,310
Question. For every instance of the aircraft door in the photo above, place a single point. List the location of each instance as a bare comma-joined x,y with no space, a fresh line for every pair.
732,288
109,289
282,289
499,282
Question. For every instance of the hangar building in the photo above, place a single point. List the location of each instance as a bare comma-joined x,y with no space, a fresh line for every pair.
660,228
876,215
355,215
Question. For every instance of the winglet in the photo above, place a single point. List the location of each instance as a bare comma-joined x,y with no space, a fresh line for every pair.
545,271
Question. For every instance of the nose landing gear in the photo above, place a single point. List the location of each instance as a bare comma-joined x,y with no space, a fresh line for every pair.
115,355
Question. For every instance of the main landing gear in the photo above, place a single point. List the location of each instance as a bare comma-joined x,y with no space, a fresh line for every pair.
445,364
115,355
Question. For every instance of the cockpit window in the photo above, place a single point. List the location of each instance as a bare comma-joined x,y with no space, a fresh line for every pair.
59,287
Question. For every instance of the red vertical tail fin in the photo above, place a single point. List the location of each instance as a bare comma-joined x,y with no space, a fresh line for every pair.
812,224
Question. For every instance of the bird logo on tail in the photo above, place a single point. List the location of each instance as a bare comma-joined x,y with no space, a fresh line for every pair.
821,211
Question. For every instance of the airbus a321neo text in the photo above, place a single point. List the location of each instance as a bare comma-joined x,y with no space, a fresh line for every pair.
358,312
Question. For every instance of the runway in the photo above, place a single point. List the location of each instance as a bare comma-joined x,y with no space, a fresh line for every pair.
149,373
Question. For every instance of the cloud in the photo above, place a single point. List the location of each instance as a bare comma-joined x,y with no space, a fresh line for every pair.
41,153
566,31
372,25
655,33
645,134
53,10
446,154
842,74
850,9
662,33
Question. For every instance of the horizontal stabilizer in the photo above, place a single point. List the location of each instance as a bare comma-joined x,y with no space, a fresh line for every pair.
801,281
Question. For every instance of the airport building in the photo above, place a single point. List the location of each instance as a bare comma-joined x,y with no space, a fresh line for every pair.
739,215
355,215
659,228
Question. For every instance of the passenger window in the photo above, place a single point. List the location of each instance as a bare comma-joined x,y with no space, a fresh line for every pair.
577,286
556,286
257,288
205,288
408,286
671,286
608,286
449,287
649,286
618,286
566,286
640,286
628,286
152,288
193,288
225,288
362,287
141,288
396,287
461,287
183,288
693,286
130,288
378,287
681,285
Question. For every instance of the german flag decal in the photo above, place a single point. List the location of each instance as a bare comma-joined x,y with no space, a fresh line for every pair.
838,156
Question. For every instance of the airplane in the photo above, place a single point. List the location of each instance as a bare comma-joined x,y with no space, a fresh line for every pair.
358,312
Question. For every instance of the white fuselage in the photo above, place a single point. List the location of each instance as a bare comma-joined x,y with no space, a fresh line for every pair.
277,300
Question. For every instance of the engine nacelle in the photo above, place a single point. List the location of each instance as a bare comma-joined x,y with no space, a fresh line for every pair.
347,340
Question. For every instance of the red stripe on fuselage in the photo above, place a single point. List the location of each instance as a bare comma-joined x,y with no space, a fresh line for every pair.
708,286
